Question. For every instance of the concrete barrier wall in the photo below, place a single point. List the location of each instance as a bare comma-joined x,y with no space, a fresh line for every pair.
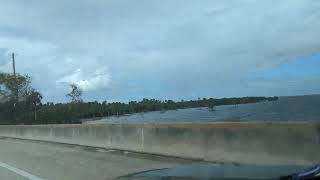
254,143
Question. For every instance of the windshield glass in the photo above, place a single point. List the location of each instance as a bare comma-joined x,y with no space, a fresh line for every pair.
107,89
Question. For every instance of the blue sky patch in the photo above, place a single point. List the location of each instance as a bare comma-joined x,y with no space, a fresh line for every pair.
302,67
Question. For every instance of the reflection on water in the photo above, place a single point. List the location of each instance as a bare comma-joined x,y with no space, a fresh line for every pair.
299,108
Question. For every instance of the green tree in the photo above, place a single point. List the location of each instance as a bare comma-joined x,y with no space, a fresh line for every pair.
19,99
75,94
14,87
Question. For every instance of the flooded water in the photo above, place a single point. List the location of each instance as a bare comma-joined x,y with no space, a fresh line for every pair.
298,108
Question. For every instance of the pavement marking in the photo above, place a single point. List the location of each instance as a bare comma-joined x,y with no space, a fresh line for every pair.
20,172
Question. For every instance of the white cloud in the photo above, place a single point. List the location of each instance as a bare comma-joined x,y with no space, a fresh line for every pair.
97,80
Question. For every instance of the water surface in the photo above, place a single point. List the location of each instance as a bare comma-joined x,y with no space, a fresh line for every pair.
295,108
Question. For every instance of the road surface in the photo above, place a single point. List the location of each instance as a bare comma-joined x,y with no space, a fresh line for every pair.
23,160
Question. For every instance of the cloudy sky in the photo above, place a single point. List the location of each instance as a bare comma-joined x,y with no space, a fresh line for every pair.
121,50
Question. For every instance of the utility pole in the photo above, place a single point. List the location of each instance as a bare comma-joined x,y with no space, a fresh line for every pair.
14,80
35,113
13,65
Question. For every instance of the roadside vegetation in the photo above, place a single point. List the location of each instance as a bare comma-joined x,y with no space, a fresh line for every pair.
21,104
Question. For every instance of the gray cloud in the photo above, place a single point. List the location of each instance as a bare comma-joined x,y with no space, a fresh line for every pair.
163,49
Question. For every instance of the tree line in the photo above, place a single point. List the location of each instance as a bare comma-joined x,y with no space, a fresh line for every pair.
21,104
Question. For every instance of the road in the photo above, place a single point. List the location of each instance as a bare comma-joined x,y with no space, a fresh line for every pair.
23,160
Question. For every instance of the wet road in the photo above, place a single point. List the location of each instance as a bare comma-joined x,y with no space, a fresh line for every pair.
22,160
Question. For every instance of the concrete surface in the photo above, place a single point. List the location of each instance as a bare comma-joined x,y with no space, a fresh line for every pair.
6,174
51,161
252,143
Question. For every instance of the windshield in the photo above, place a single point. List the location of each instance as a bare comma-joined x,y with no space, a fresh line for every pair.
106,89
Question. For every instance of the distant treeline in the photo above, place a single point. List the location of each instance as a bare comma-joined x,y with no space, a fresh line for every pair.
23,105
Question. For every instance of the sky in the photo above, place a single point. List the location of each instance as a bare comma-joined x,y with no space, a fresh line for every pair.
123,50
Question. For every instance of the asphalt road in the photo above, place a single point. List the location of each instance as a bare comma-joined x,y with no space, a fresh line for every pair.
23,160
